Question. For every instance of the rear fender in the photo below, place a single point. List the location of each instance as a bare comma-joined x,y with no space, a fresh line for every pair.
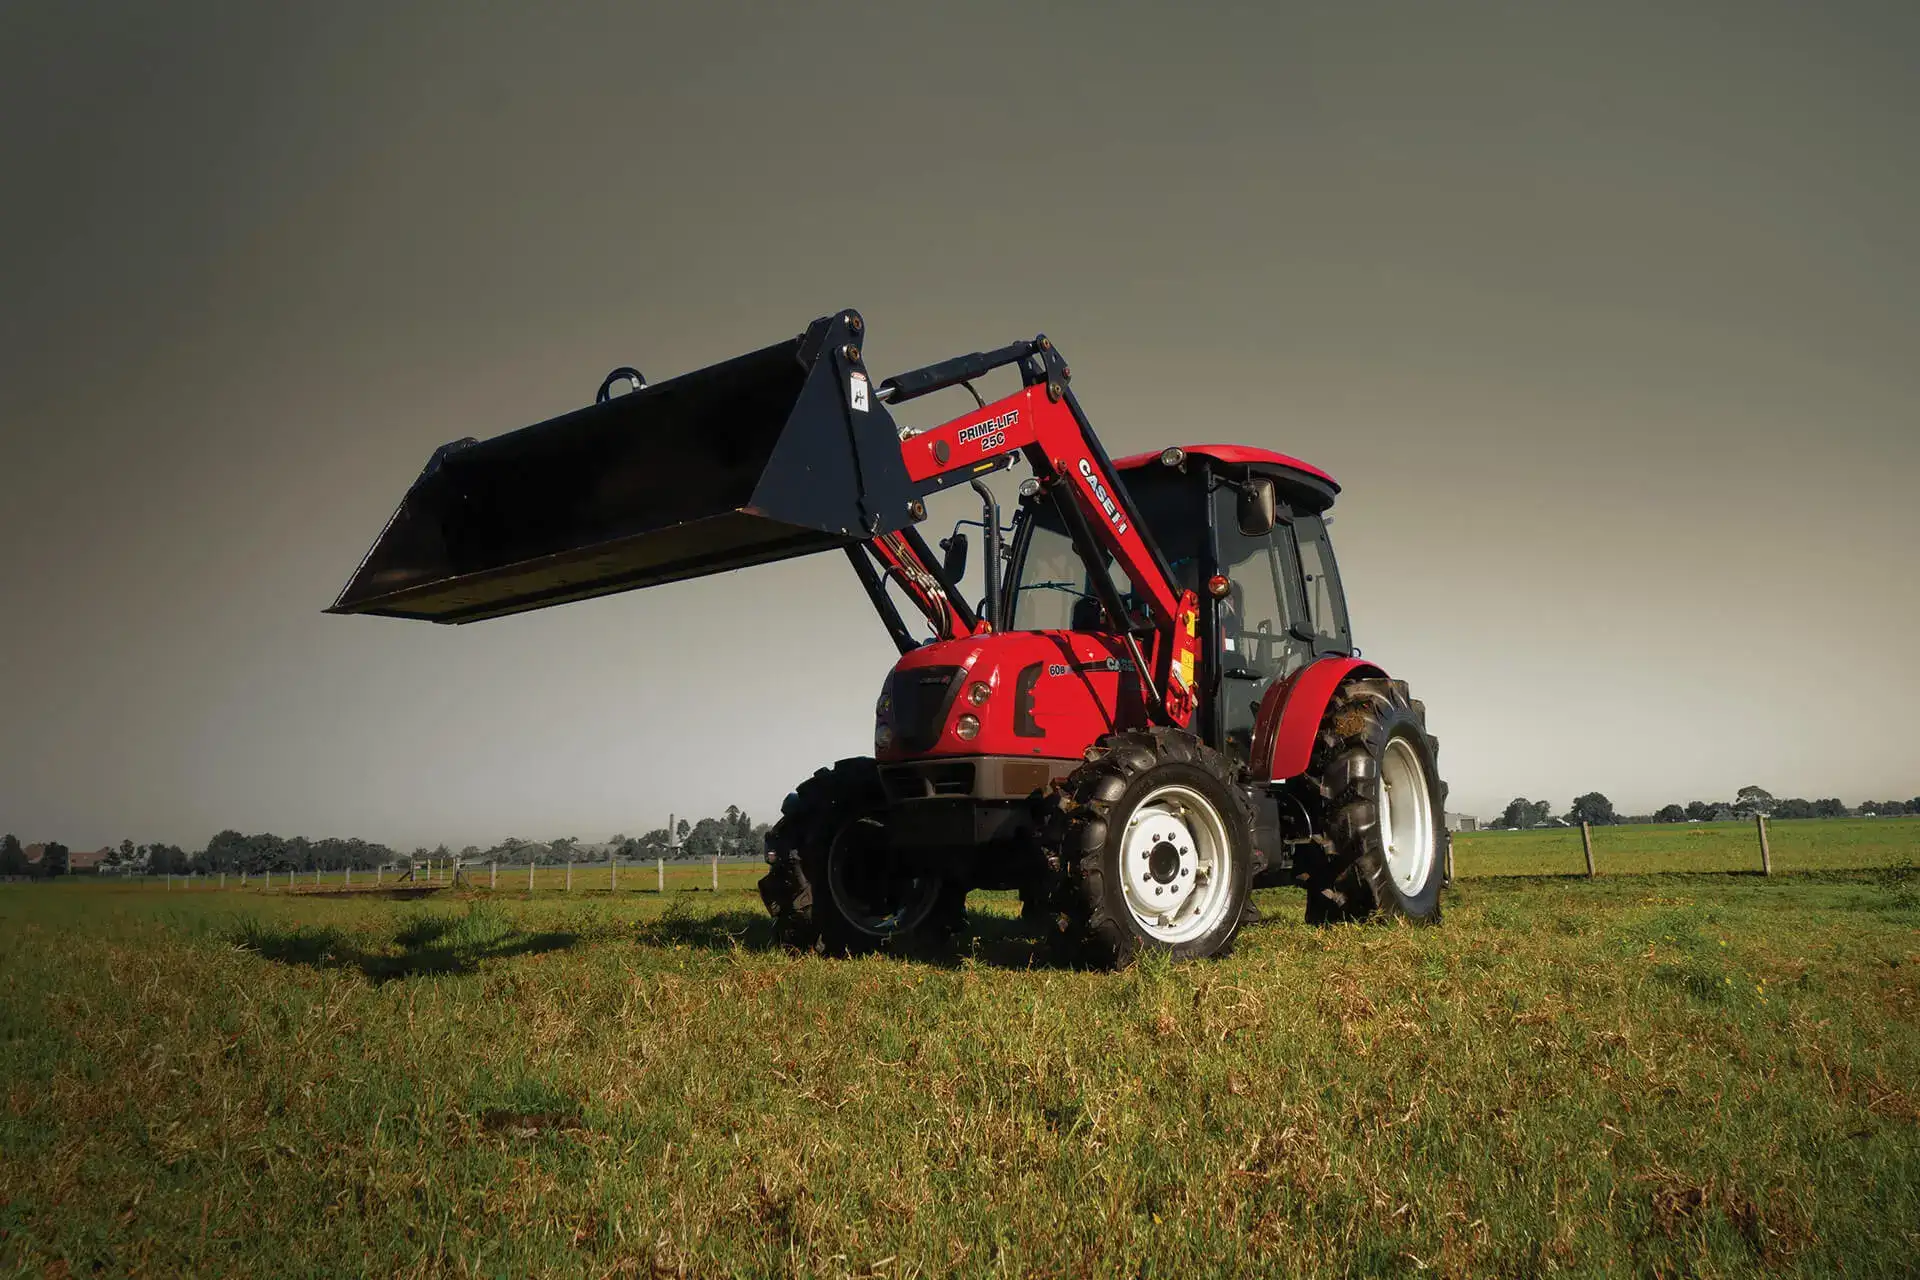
1290,714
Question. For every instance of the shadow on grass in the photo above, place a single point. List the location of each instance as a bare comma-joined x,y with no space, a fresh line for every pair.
994,940
423,945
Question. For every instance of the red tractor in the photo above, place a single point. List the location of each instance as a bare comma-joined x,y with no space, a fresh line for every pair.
1156,704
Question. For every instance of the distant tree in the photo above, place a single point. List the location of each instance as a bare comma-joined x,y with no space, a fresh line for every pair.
705,839
682,831
1793,807
126,852
56,860
1829,808
1752,800
1699,811
562,849
1591,808
13,858
1671,813
1522,812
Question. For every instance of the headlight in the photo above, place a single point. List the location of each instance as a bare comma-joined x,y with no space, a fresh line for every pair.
967,727
978,692
883,706
882,737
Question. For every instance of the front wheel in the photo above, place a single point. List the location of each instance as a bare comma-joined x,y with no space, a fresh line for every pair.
1157,849
832,883
1384,851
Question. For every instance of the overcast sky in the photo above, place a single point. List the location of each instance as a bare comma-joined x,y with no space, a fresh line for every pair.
1606,316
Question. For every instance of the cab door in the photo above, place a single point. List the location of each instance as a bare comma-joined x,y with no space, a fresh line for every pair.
1263,623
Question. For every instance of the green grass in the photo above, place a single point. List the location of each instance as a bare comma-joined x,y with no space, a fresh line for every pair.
1680,1074
1813,844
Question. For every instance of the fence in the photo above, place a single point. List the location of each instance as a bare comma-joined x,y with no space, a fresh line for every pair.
654,875
1760,846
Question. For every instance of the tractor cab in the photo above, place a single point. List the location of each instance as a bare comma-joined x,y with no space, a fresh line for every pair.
1244,529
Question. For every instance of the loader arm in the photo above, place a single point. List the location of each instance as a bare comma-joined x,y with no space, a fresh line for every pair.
779,453
1044,423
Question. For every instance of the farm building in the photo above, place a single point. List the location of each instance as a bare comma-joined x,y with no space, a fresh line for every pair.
1462,822
78,860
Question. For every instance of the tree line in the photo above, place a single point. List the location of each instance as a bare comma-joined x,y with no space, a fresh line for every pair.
730,834
1595,809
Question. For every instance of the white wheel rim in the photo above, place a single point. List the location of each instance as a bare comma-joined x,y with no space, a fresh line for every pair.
1176,865
1406,816
916,902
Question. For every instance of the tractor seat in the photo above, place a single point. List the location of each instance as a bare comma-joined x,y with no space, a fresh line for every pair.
1087,615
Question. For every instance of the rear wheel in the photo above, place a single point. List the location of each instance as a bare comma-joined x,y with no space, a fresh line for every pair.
832,884
1156,845
1384,850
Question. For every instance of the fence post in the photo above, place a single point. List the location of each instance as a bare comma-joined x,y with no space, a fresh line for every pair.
1766,851
716,873
530,873
493,874
379,874
613,861
169,882
569,875
660,868
1586,843
349,875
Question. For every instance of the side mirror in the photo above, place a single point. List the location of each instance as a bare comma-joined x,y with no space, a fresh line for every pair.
1256,509
954,562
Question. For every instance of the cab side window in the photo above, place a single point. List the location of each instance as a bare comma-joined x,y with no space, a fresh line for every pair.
1320,581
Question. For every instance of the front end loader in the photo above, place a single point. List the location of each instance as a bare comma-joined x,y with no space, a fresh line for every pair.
1155,705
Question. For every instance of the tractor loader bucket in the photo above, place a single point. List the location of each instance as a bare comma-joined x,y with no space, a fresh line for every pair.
778,453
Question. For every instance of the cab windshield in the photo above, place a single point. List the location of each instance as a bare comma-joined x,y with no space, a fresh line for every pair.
1051,590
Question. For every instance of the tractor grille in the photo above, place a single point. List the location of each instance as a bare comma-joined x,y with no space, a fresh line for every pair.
928,778
921,696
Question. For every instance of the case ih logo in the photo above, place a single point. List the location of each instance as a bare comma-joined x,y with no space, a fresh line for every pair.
991,427
1106,499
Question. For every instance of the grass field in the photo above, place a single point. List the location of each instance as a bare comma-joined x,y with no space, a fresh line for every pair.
1677,1074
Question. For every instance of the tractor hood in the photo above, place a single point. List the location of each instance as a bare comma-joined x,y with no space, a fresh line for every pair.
778,453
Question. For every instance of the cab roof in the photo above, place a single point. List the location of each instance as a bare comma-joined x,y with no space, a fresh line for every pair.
1307,482
1234,454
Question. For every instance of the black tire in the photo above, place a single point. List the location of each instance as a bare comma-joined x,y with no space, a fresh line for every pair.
1092,809
832,828
1346,871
